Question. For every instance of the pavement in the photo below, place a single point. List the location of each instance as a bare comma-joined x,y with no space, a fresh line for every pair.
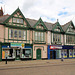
36,62
38,67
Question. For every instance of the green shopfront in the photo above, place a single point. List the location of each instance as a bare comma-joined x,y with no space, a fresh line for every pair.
16,51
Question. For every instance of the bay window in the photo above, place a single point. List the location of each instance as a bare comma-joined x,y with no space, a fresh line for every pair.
70,39
17,34
56,37
39,36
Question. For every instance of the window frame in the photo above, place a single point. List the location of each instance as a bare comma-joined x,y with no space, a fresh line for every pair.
70,39
18,20
23,37
37,36
57,36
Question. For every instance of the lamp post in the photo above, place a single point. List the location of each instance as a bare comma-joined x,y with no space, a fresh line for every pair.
6,54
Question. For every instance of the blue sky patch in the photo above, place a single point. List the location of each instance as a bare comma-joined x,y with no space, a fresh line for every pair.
53,19
64,8
62,13
1,2
49,18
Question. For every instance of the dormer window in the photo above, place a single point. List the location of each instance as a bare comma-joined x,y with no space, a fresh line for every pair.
70,30
18,20
57,29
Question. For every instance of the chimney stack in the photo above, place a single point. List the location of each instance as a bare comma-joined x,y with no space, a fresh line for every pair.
1,12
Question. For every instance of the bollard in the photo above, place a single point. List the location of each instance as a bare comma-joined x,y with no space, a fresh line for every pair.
6,60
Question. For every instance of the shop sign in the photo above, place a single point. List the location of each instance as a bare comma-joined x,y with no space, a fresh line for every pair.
73,47
17,45
55,47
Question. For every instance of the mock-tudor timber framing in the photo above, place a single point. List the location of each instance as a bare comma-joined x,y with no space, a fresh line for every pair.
31,26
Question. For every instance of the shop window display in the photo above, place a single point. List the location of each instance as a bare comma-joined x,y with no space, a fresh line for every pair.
74,53
70,53
7,53
58,53
65,53
26,53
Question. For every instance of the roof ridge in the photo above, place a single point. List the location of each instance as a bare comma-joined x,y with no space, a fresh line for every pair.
66,23
4,15
31,19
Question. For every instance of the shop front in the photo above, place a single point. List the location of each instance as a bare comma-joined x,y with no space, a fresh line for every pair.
68,51
54,51
57,51
17,51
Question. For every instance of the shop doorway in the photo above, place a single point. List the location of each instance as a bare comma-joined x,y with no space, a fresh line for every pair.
51,54
68,53
38,54
17,54
54,52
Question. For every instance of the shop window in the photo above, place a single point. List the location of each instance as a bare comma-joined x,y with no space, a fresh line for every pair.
58,53
74,53
70,53
11,53
7,53
26,53
65,53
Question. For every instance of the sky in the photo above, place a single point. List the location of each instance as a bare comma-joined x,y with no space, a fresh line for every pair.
48,10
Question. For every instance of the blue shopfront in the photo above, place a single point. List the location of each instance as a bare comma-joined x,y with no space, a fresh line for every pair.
57,51
16,51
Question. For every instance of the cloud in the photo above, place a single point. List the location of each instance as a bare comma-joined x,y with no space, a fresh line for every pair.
49,10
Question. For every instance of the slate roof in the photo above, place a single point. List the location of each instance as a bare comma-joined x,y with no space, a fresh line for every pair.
3,18
32,22
65,26
48,25
54,25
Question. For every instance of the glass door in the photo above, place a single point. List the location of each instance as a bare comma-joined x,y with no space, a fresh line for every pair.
17,54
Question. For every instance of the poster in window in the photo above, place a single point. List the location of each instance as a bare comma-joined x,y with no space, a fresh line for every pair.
70,53
73,53
65,53
3,54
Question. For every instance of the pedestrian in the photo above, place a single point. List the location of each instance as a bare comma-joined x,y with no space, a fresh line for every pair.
62,58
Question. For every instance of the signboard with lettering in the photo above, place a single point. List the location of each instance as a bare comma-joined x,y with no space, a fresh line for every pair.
55,47
17,45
